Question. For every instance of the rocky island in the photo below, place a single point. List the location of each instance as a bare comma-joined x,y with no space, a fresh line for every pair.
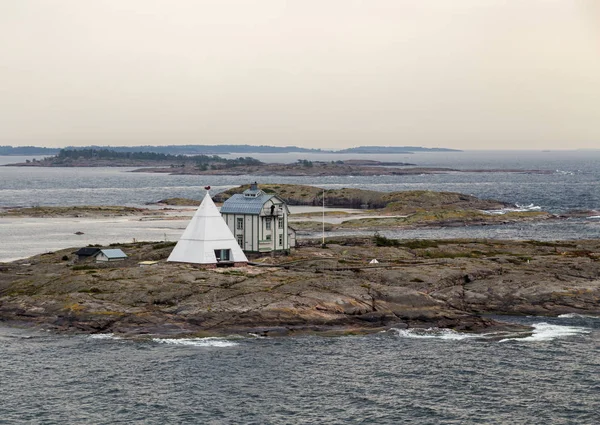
216,165
333,289
370,210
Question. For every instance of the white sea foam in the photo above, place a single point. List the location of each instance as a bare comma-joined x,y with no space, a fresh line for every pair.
577,316
516,208
433,333
197,342
547,332
565,172
104,336
594,216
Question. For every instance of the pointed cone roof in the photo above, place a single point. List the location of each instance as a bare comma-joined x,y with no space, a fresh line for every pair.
205,233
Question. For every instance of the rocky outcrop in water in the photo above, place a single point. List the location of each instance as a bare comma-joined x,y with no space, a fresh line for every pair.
401,202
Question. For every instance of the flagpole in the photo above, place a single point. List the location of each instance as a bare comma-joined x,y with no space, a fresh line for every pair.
323,244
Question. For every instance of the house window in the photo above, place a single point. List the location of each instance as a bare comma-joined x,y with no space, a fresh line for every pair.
268,237
280,240
240,240
240,224
280,222
268,223
222,255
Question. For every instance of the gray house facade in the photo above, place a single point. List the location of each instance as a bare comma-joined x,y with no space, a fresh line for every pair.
258,221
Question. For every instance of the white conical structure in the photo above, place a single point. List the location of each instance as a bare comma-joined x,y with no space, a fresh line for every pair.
206,233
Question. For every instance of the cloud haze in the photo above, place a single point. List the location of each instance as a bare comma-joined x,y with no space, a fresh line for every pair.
466,74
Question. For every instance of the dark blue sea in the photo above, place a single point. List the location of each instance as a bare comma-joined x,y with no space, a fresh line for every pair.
573,182
396,377
570,181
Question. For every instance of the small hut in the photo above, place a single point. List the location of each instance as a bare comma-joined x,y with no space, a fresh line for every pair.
86,252
110,255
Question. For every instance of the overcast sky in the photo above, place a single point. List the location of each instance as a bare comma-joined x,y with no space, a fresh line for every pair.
467,74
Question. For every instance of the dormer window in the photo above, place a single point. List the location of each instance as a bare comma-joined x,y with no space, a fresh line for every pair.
253,192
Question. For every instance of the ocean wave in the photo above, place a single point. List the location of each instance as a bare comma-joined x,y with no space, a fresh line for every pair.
433,333
548,332
197,342
104,336
516,208
577,316
594,216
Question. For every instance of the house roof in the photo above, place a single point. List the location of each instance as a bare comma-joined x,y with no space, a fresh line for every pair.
240,204
87,251
113,253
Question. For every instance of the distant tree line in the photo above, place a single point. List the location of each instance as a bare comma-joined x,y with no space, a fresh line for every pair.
394,149
26,150
199,160
216,149
202,149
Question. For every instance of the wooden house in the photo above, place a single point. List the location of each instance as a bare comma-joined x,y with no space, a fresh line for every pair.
259,221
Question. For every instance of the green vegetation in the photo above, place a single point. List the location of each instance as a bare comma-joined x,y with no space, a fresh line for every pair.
164,245
201,161
437,205
305,163
84,267
381,240
420,244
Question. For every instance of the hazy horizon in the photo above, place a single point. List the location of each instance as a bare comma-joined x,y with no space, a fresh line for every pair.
461,74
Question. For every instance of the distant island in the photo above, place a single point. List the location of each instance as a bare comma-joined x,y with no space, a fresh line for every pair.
214,164
153,162
111,158
394,149
27,150
218,149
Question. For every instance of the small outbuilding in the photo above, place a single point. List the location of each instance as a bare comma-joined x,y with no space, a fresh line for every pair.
87,252
110,255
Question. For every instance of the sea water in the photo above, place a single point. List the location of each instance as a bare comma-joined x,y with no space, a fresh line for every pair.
568,181
572,182
427,376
